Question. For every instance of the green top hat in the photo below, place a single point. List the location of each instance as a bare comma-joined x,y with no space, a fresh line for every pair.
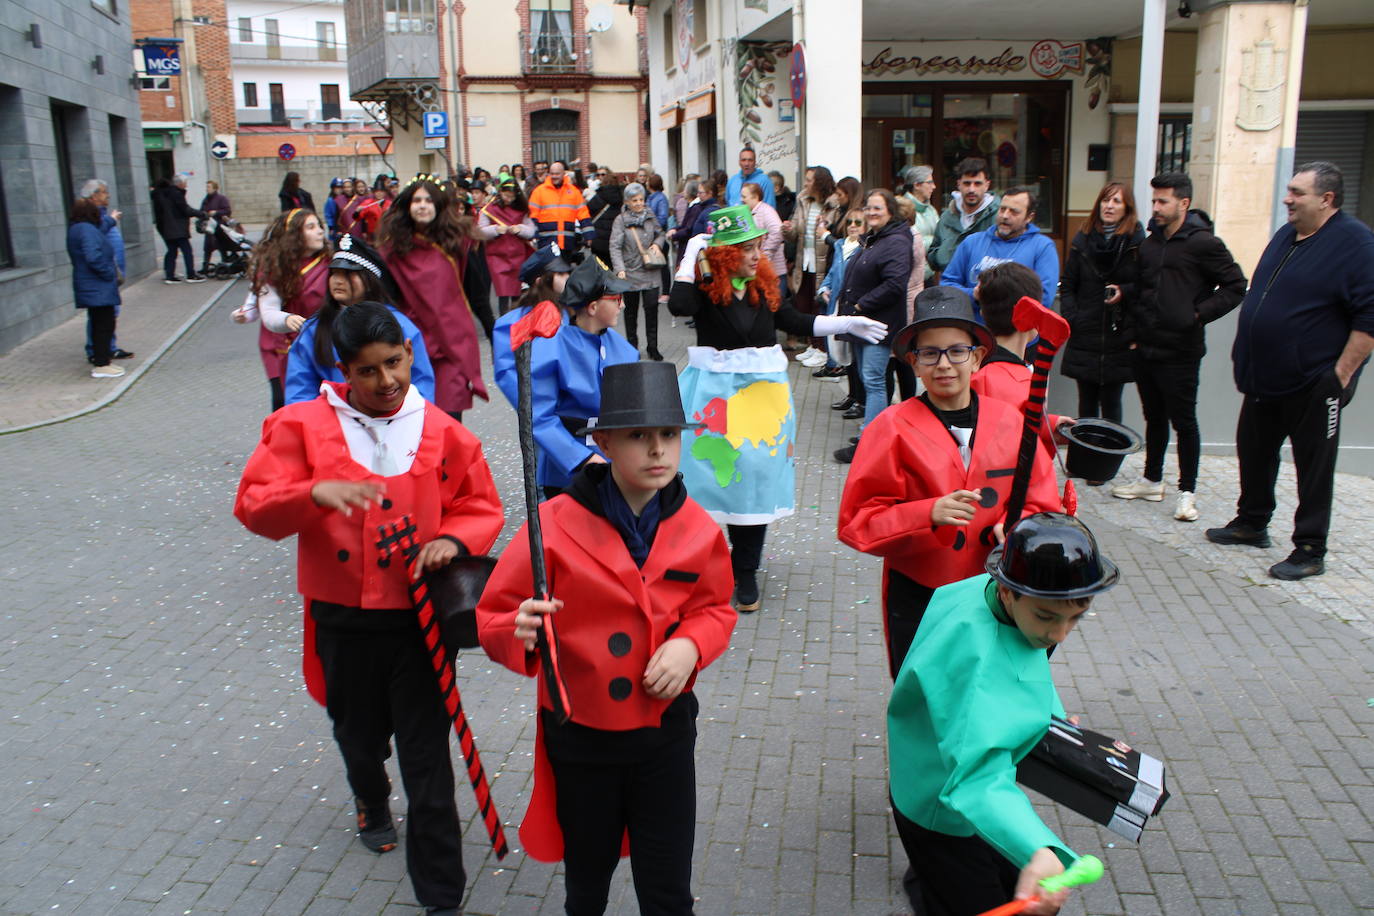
733,225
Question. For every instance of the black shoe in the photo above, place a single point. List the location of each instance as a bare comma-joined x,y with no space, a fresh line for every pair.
171,279
1301,563
843,404
853,440
121,354
1237,532
746,591
375,828
829,372
655,355
443,911
855,413
845,455
196,278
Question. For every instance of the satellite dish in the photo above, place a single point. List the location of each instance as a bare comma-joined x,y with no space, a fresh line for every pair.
599,18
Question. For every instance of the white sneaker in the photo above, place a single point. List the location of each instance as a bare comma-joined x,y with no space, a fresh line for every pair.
1141,489
806,354
107,372
1185,510
814,362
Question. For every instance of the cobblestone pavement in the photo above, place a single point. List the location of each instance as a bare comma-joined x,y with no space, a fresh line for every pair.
161,755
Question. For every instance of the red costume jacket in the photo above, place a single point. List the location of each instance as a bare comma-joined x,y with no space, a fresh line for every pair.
447,491
907,460
1008,380
431,285
614,618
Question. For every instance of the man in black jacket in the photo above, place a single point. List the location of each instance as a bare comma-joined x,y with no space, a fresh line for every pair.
1305,331
172,217
1188,279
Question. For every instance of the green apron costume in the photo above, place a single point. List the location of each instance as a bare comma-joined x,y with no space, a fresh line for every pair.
971,699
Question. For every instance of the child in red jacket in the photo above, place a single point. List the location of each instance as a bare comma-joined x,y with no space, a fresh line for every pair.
928,488
640,578
332,470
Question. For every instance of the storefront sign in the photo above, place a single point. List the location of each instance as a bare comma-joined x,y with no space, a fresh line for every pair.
1049,58
888,62
162,60
701,104
670,117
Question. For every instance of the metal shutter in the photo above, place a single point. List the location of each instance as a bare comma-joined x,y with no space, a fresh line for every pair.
1339,137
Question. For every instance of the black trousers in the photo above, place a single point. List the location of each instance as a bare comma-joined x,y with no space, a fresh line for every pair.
101,319
746,546
169,260
1096,400
648,298
904,604
642,781
1311,421
1168,397
278,394
953,875
505,303
379,683
905,379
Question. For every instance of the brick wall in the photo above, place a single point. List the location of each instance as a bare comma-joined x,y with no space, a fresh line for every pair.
153,19
216,74
252,184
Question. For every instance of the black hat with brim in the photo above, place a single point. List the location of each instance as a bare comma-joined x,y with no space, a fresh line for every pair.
640,395
591,280
942,307
454,590
1051,555
355,254
543,260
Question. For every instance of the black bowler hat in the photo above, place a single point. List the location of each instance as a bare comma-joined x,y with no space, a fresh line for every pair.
591,280
942,307
1052,555
454,590
548,258
642,395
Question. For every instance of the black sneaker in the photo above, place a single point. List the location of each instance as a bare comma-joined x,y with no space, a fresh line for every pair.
1301,563
855,413
121,354
842,404
845,455
171,279
375,828
196,278
747,591
1237,532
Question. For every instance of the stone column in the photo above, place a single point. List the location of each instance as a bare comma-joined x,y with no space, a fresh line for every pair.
1239,118
832,32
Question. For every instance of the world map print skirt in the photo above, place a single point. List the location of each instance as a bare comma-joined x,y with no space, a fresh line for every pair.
741,465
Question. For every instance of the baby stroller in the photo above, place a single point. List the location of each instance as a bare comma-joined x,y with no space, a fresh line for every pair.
233,247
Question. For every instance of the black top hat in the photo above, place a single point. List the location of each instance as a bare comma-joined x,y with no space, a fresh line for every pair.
942,307
640,395
548,258
1052,555
591,280
454,590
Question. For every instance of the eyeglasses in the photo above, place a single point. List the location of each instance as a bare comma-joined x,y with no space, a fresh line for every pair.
854,222
930,356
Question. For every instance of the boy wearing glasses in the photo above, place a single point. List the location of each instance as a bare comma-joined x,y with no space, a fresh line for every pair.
928,487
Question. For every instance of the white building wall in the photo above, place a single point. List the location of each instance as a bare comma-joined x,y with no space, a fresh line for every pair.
300,71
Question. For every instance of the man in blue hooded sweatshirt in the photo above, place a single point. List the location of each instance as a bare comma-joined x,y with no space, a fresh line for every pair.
1014,237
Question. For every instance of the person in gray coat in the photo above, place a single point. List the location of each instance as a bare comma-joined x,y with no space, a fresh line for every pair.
638,244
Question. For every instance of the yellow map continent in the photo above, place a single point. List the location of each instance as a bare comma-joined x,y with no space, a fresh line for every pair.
755,414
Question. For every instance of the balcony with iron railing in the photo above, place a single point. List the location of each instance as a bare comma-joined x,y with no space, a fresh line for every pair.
391,45
552,53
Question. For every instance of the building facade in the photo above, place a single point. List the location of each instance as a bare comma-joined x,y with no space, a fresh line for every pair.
1246,89
518,80
69,104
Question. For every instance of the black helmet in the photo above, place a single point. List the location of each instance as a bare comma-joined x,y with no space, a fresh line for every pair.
1052,555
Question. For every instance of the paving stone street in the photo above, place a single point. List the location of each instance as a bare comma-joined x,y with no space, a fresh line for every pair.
162,756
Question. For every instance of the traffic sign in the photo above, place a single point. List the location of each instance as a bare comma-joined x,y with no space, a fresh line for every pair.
219,149
286,151
383,144
436,124
436,142
797,80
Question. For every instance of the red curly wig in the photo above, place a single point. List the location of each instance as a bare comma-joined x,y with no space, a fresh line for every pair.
724,261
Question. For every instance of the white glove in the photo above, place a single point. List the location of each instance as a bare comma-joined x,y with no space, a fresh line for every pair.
687,268
866,329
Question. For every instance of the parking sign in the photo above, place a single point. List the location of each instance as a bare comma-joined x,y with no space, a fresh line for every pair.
436,124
